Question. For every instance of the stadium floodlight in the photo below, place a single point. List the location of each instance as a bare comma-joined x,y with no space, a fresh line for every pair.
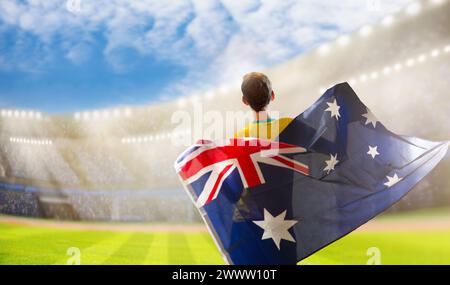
398,66
363,78
413,8
434,53
386,70
224,89
324,49
387,21
209,95
447,49
181,102
343,40
422,58
437,2
410,62
127,112
365,30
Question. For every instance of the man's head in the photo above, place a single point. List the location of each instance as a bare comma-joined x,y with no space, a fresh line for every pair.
257,91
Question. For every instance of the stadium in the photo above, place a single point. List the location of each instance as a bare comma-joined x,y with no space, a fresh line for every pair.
101,183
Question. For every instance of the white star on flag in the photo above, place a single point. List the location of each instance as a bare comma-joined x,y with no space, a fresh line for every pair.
370,118
334,109
392,180
373,151
276,228
331,163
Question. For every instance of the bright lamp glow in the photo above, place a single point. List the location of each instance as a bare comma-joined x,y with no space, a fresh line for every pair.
398,66
387,21
343,40
437,2
181,102
365,31
410,62
324,49
434,53
209,95
223,90
414,8
422,58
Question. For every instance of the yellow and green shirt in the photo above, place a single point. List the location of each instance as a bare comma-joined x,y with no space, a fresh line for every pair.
264,129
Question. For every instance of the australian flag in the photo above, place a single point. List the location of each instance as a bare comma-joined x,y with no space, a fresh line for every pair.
332,169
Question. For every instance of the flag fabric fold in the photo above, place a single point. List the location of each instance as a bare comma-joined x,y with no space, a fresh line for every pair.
332,169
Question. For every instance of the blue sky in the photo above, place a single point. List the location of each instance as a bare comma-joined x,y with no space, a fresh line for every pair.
62,56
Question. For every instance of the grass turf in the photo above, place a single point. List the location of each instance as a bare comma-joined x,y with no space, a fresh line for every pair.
21,244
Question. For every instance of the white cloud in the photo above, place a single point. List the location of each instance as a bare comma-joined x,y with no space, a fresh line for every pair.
216,40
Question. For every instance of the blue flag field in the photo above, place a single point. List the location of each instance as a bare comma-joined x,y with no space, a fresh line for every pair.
332,169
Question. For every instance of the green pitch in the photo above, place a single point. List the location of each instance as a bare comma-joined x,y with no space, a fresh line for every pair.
20,244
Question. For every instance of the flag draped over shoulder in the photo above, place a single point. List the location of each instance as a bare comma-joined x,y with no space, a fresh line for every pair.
332,169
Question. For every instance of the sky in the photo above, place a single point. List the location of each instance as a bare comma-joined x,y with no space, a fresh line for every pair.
60,56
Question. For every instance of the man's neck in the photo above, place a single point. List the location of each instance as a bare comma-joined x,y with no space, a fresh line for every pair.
261,116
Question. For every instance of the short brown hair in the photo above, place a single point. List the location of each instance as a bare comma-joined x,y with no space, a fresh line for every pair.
257,90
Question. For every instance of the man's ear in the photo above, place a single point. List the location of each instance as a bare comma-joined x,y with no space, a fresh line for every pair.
244,100
272,97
